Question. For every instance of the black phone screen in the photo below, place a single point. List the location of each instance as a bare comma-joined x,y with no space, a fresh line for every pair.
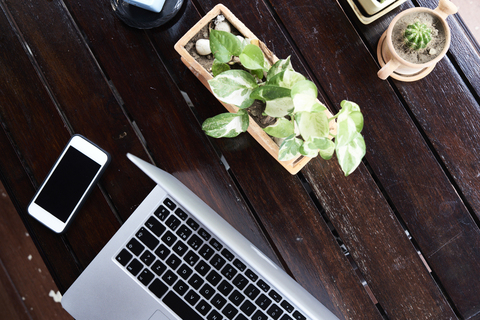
67,184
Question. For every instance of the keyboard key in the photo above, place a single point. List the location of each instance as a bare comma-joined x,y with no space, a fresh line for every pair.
274,311
195,242
158,267
162,251
229,271
155,226
286,317
147,258
135,246
251,291
203,307
162,213
195,281
184,232
228,255
180,307
169,238
173,223
145,276
248,307
298,316
180,287
263,301
239,265
225,288
192,297
123,257
134,267
207,291
158,288
204,234
263,285
181,214
217,262
169,203
173,261
147,238
217,245
180,248
241,317
218,301
214,278
230,311
240,281
191,258
259,315
206,252
169,277
214,315
252,275
275,296
192,224
202,268
184,271
236,297
287,306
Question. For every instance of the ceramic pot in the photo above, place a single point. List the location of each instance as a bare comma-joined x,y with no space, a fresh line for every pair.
399,68
292,166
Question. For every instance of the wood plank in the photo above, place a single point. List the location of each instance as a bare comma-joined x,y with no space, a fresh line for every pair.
322,47
446,233
11,304
298,225
162,115
25,269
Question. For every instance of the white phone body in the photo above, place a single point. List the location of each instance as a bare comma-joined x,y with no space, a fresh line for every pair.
68,184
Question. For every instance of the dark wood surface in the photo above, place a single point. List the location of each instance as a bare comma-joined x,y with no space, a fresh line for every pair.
397,239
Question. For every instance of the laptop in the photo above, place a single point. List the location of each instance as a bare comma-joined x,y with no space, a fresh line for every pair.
177,259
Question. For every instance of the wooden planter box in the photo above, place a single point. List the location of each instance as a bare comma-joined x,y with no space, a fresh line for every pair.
294,165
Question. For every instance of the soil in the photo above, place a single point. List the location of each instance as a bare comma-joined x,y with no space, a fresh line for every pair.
256,110
434,47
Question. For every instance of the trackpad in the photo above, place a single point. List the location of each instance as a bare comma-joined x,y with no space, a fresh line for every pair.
158,315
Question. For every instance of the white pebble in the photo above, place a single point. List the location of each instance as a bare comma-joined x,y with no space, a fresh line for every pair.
432,52
203,47
223,26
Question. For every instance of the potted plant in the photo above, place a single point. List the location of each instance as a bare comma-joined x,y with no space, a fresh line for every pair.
414,42
267,97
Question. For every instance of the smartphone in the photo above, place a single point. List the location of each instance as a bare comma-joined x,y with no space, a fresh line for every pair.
72,178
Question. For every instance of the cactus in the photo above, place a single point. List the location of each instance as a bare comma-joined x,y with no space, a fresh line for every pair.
417,35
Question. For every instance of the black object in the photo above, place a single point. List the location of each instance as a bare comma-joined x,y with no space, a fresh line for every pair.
143,19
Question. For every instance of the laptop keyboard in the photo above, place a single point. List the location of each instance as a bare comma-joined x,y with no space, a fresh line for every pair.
195,275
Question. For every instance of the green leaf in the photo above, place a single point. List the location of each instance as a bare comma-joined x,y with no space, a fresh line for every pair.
281,129
267,93
219,67
346,131
279,107
312,125
350,156
252,58
304,95
325,146
286,79
279,66
307,151
352,110
226,125
234,87
224,45
290,148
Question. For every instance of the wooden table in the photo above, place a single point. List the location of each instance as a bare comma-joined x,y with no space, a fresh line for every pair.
398,238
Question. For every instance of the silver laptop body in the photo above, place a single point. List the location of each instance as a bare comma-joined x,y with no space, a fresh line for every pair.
109,289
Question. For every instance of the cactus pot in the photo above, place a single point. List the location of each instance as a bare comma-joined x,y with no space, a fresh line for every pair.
292,166
398,60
